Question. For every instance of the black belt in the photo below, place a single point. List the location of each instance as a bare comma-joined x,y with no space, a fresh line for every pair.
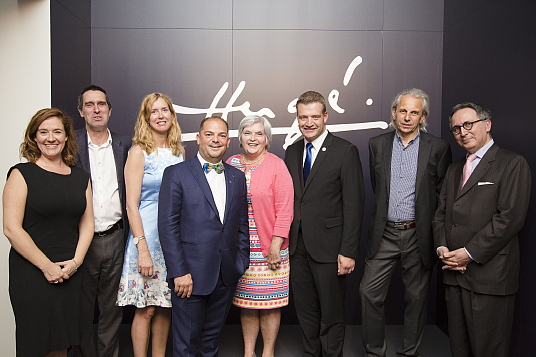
115,227
401,225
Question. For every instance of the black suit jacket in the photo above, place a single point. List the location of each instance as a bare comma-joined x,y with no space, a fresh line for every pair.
434,158
330,205
120,147
485,217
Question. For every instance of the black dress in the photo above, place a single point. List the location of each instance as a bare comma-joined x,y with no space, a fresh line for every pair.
46,315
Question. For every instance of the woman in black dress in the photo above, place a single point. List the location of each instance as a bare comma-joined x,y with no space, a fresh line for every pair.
48,219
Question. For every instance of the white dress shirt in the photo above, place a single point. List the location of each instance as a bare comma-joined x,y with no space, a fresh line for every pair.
216,182
106,202
317,146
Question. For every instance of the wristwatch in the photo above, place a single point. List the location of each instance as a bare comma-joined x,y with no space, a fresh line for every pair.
136,240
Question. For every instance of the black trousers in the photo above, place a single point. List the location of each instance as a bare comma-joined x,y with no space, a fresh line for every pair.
319,298
480,325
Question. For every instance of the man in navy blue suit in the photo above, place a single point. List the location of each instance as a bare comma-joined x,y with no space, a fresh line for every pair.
203,228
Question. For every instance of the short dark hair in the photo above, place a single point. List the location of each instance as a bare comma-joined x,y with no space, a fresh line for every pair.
482,112
92,87
213,117
311,97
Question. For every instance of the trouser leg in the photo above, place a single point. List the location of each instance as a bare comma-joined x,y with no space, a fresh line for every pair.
306,301
416,278
319,299
373,291
110,315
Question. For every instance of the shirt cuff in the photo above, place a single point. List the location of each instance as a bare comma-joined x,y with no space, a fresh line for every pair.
470,256
437,249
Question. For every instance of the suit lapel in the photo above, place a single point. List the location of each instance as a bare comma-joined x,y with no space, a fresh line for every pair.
320,156
229,185
479,171
199,176
84,154
424,155
117,150
298,167
387,155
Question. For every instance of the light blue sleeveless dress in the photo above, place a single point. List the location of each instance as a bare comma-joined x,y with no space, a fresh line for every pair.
134,288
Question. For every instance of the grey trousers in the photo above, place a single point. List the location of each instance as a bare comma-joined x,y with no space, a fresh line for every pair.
101,273
396,245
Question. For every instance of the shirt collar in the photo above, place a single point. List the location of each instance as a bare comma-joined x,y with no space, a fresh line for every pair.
399,138
203,161
106,143
483,150
317,143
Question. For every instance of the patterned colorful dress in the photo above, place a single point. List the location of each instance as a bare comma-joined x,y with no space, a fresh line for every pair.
260,287
134,288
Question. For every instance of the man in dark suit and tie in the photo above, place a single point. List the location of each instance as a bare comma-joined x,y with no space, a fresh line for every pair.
482,207
203,227
407,167
103,154
324,236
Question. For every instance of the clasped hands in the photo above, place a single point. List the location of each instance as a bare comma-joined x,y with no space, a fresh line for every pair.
456,260
58,272
346,265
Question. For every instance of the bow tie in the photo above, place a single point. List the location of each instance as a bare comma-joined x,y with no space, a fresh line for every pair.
216,167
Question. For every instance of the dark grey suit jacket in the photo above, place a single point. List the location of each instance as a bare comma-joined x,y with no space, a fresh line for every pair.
434,158
120,146
485,217
330,205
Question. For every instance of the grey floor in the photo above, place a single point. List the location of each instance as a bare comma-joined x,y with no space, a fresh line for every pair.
435,342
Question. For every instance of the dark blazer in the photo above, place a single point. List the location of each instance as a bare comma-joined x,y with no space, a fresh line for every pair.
193,238
120,146
331,204
434,158
485,217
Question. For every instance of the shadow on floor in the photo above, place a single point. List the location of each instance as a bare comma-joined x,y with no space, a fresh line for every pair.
435,342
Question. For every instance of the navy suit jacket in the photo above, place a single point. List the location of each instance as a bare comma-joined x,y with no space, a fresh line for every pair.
434,159
194,240
120,146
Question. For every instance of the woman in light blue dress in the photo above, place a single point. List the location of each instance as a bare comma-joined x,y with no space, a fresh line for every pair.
156,145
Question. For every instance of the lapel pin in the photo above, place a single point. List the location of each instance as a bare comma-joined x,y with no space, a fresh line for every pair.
324,148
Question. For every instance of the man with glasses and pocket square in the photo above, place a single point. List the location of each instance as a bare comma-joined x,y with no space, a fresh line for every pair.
482,207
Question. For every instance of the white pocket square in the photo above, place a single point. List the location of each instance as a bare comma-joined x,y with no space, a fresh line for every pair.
486,183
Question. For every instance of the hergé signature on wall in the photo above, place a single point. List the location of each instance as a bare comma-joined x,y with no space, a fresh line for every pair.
292,132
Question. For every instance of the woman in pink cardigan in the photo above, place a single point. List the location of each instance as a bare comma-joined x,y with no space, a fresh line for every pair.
264,287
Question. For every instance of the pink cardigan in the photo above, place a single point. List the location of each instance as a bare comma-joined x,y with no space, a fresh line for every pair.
272,198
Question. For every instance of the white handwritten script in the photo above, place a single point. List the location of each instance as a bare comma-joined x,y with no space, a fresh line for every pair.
292,132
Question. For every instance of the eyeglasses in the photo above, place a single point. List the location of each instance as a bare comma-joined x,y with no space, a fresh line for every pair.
468,125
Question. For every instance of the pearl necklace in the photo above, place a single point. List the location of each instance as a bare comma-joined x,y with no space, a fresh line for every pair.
253,162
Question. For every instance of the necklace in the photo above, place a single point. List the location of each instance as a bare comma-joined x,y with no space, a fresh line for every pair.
243,162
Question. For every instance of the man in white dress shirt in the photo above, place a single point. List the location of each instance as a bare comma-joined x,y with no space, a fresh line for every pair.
203,227
103,154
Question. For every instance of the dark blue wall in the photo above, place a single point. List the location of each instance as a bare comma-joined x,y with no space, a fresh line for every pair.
490,58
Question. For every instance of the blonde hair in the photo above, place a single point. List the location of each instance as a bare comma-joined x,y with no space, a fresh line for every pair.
143,134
